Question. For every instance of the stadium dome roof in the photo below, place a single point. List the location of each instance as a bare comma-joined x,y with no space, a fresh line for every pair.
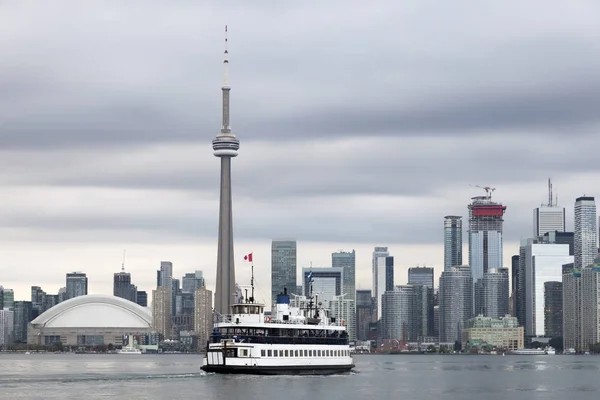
95,311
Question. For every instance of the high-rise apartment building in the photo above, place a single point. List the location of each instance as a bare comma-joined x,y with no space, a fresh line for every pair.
141,298
452,241
548,217
283,267
571,309
7,299
543,263
364,313
122,286
347,261
495,293
192,282
485,234
421,276
161,311
384,279
77,284
377,253
553,309
585,233
590,305
455,302
326,283
22,317
6,327
203,317
405,313
515,288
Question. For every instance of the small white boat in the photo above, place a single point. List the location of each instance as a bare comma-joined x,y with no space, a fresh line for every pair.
130,348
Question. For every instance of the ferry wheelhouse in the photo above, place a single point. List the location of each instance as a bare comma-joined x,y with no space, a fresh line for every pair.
291,341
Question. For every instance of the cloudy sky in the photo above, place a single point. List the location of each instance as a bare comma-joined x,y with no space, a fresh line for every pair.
361,124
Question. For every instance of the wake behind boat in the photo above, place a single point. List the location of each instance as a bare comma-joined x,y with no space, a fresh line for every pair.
293,341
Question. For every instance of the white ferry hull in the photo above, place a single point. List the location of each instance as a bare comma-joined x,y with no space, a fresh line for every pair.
249,359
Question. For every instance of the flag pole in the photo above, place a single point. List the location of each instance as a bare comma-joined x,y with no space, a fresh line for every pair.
252,278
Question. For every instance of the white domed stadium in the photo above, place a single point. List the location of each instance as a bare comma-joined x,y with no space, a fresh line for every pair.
90,320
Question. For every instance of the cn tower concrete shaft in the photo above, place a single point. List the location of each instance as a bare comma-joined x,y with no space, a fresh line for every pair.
225,285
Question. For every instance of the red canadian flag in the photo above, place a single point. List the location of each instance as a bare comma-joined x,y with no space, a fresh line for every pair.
248,257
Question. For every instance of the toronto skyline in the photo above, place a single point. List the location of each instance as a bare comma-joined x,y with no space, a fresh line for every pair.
362,127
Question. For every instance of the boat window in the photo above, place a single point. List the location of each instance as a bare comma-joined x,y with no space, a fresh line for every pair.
274,353
263,353
269,353
318,353
310,353
305,353
295,353
280,353
286,353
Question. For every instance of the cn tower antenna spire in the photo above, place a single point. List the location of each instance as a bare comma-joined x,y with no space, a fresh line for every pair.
226,63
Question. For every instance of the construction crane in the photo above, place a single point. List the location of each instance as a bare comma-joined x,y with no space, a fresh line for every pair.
488,190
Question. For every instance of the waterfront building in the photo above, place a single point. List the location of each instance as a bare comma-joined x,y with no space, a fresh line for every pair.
553,309
405,313
283,267
452,241
23,312
89,320
502,333
456,302
590,305
6,327
585,234
7,299
203,316
161,311
571,309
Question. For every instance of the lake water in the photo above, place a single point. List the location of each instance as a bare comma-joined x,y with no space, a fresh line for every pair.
90,377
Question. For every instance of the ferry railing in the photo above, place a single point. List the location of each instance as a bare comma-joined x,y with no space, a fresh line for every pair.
281,339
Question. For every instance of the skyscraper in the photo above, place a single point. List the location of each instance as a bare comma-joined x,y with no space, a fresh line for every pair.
225,146
452,241
553,309
122,286
77,284
543,263
326,283
203,318
347,261
586,246
421,276
405,313
161,311
283,267
571,309
485,234
549,217
364,313
495,293
192,282
384,278
456,302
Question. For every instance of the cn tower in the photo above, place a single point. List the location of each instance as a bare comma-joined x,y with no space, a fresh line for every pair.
225,146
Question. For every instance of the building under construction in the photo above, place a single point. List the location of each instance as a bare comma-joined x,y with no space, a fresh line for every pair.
486,218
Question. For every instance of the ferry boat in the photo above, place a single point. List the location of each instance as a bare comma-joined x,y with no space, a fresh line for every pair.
291,341
130,348
534,352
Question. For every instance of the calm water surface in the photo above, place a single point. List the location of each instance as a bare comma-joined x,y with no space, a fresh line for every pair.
90,377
